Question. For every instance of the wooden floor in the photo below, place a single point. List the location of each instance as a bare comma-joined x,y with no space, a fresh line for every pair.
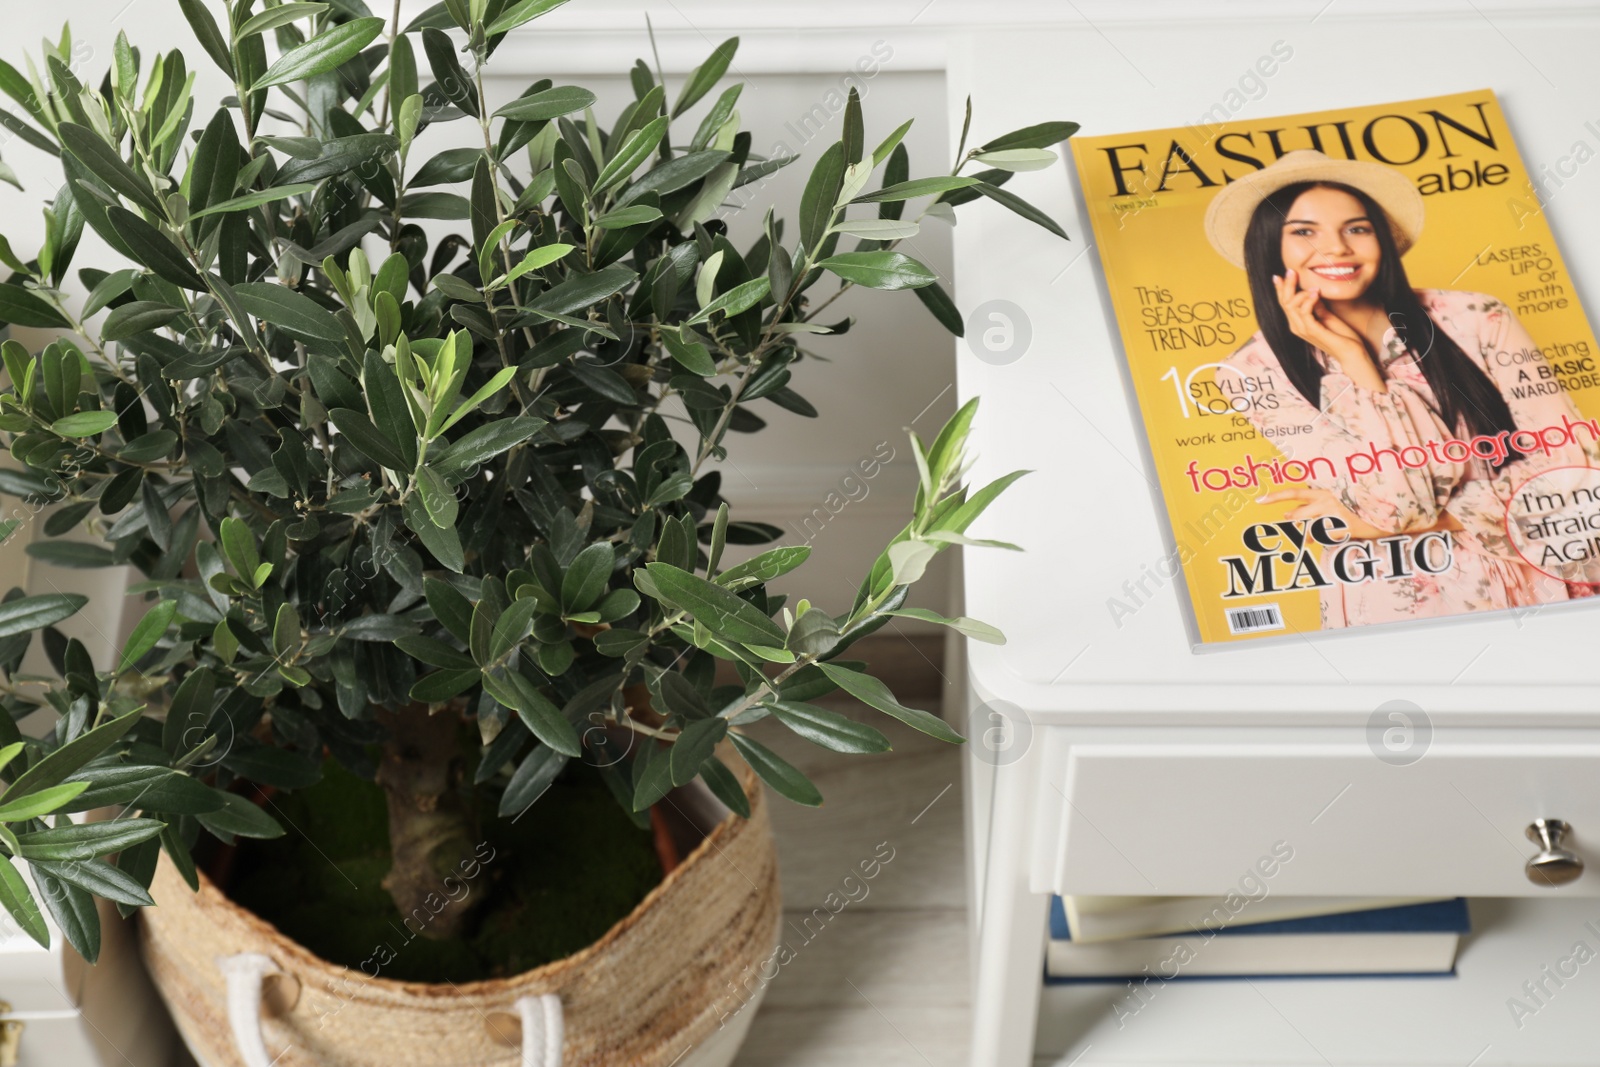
884,981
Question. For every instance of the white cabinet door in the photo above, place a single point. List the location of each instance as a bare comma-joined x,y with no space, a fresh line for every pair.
75,1015
31,977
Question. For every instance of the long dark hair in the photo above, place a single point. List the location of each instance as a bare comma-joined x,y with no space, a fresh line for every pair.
1465,395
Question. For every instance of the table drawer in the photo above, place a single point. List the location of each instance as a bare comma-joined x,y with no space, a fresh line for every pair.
1314,817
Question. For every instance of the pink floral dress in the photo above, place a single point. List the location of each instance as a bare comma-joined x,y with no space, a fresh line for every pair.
1487,573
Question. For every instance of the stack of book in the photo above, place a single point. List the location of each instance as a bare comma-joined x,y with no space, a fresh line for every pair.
1167,938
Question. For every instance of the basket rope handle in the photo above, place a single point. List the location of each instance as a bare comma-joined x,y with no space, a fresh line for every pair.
541,1030
542,1017
245,973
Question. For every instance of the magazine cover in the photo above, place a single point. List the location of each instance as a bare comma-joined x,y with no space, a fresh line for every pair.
1368,383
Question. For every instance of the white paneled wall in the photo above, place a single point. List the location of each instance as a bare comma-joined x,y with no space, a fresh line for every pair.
894,369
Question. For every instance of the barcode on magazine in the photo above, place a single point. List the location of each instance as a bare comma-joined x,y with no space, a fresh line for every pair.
1253,620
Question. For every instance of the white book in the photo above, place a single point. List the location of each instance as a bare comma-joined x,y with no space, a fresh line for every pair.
1408,939
1117,918
1166,958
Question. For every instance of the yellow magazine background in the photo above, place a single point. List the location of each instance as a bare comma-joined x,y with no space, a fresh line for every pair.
1154,240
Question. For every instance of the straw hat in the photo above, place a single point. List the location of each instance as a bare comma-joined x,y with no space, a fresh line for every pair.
1229,214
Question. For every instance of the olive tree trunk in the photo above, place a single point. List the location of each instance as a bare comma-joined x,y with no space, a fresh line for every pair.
432,832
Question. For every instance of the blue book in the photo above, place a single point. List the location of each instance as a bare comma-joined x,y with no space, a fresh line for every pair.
1411,939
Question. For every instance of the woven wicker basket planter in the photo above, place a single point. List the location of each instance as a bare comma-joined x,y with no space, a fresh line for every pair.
682,971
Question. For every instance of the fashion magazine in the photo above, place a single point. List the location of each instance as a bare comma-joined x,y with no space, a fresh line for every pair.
1369,387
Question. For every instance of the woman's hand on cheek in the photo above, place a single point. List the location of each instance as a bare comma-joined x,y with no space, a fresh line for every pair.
1315,323
1295,303
1334,324
1310,503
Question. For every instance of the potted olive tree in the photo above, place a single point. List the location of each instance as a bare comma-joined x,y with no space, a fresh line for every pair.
429,532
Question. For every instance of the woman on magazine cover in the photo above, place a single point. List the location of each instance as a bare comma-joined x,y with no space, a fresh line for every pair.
1358,358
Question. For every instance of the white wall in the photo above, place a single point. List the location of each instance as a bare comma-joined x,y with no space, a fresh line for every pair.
893,370
154,26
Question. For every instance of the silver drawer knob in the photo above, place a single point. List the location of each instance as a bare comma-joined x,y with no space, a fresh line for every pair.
1553,865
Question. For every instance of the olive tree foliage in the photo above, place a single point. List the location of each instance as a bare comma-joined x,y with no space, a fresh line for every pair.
374,480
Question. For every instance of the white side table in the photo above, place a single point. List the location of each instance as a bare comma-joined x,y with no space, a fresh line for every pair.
1127,764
